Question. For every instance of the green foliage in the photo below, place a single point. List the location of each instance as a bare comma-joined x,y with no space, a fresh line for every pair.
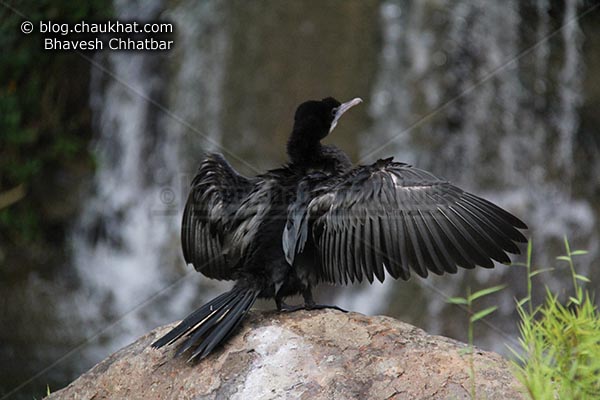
560,343
468,302
44,117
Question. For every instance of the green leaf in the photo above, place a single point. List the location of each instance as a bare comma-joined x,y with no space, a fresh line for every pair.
539,271
515,354
579,252
457,300
582,278
485,292
522,301
567,247
563,258
483,313
574,300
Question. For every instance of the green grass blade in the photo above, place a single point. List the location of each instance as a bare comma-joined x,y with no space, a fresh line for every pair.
456,300
582,278
483,313
485,292
579,252
539,271
522,301
574,300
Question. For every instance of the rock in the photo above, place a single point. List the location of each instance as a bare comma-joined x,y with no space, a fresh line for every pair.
312,355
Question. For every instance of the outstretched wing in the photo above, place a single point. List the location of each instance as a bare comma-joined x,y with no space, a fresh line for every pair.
216,192
248,219
391,216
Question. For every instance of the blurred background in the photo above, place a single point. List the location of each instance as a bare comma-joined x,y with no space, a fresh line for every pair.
98,149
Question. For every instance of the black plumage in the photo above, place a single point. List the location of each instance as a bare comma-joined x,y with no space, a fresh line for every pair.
318,219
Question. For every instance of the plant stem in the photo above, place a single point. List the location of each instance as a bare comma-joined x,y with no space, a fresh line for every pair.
529,286
470,338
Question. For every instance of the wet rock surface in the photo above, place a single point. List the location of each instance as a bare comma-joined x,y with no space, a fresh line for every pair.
321,354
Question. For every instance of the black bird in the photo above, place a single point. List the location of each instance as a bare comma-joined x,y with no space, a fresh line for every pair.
318,219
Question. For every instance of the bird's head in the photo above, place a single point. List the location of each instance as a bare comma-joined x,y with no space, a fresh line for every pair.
315,119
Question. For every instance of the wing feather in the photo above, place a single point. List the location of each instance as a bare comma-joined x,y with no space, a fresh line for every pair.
392,217
443,244
348,259
419,264
436,266
473,249
354,243
377,248
216,192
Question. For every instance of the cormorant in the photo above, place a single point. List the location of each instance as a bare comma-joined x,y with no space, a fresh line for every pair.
318,219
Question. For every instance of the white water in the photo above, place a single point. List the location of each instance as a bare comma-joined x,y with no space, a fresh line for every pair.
497,143
455,97
148,113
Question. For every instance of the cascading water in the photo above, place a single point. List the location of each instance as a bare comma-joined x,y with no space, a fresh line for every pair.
472,98
450,83
486,95
126,242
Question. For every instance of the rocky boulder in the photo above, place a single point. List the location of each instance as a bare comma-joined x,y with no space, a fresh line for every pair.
321,354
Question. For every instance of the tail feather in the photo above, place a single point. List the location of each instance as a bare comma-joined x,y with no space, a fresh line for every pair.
240,319
212,323
194,318
216,318
225,327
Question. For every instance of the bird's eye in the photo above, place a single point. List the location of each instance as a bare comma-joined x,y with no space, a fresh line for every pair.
334,111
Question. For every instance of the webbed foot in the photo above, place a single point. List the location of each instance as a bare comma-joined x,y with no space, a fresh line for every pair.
314,306
288,308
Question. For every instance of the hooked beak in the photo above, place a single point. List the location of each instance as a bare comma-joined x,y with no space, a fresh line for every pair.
342,109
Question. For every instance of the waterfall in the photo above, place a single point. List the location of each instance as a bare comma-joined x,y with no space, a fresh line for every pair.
485,94
464,89
154,114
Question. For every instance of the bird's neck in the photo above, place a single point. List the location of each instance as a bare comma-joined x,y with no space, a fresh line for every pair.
303,151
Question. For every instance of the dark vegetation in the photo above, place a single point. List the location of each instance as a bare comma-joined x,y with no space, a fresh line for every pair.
45,134
45,130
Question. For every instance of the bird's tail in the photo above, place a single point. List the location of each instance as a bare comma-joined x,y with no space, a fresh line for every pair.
211,324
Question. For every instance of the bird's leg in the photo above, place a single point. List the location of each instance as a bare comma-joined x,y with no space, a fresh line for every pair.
282,306
309,302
